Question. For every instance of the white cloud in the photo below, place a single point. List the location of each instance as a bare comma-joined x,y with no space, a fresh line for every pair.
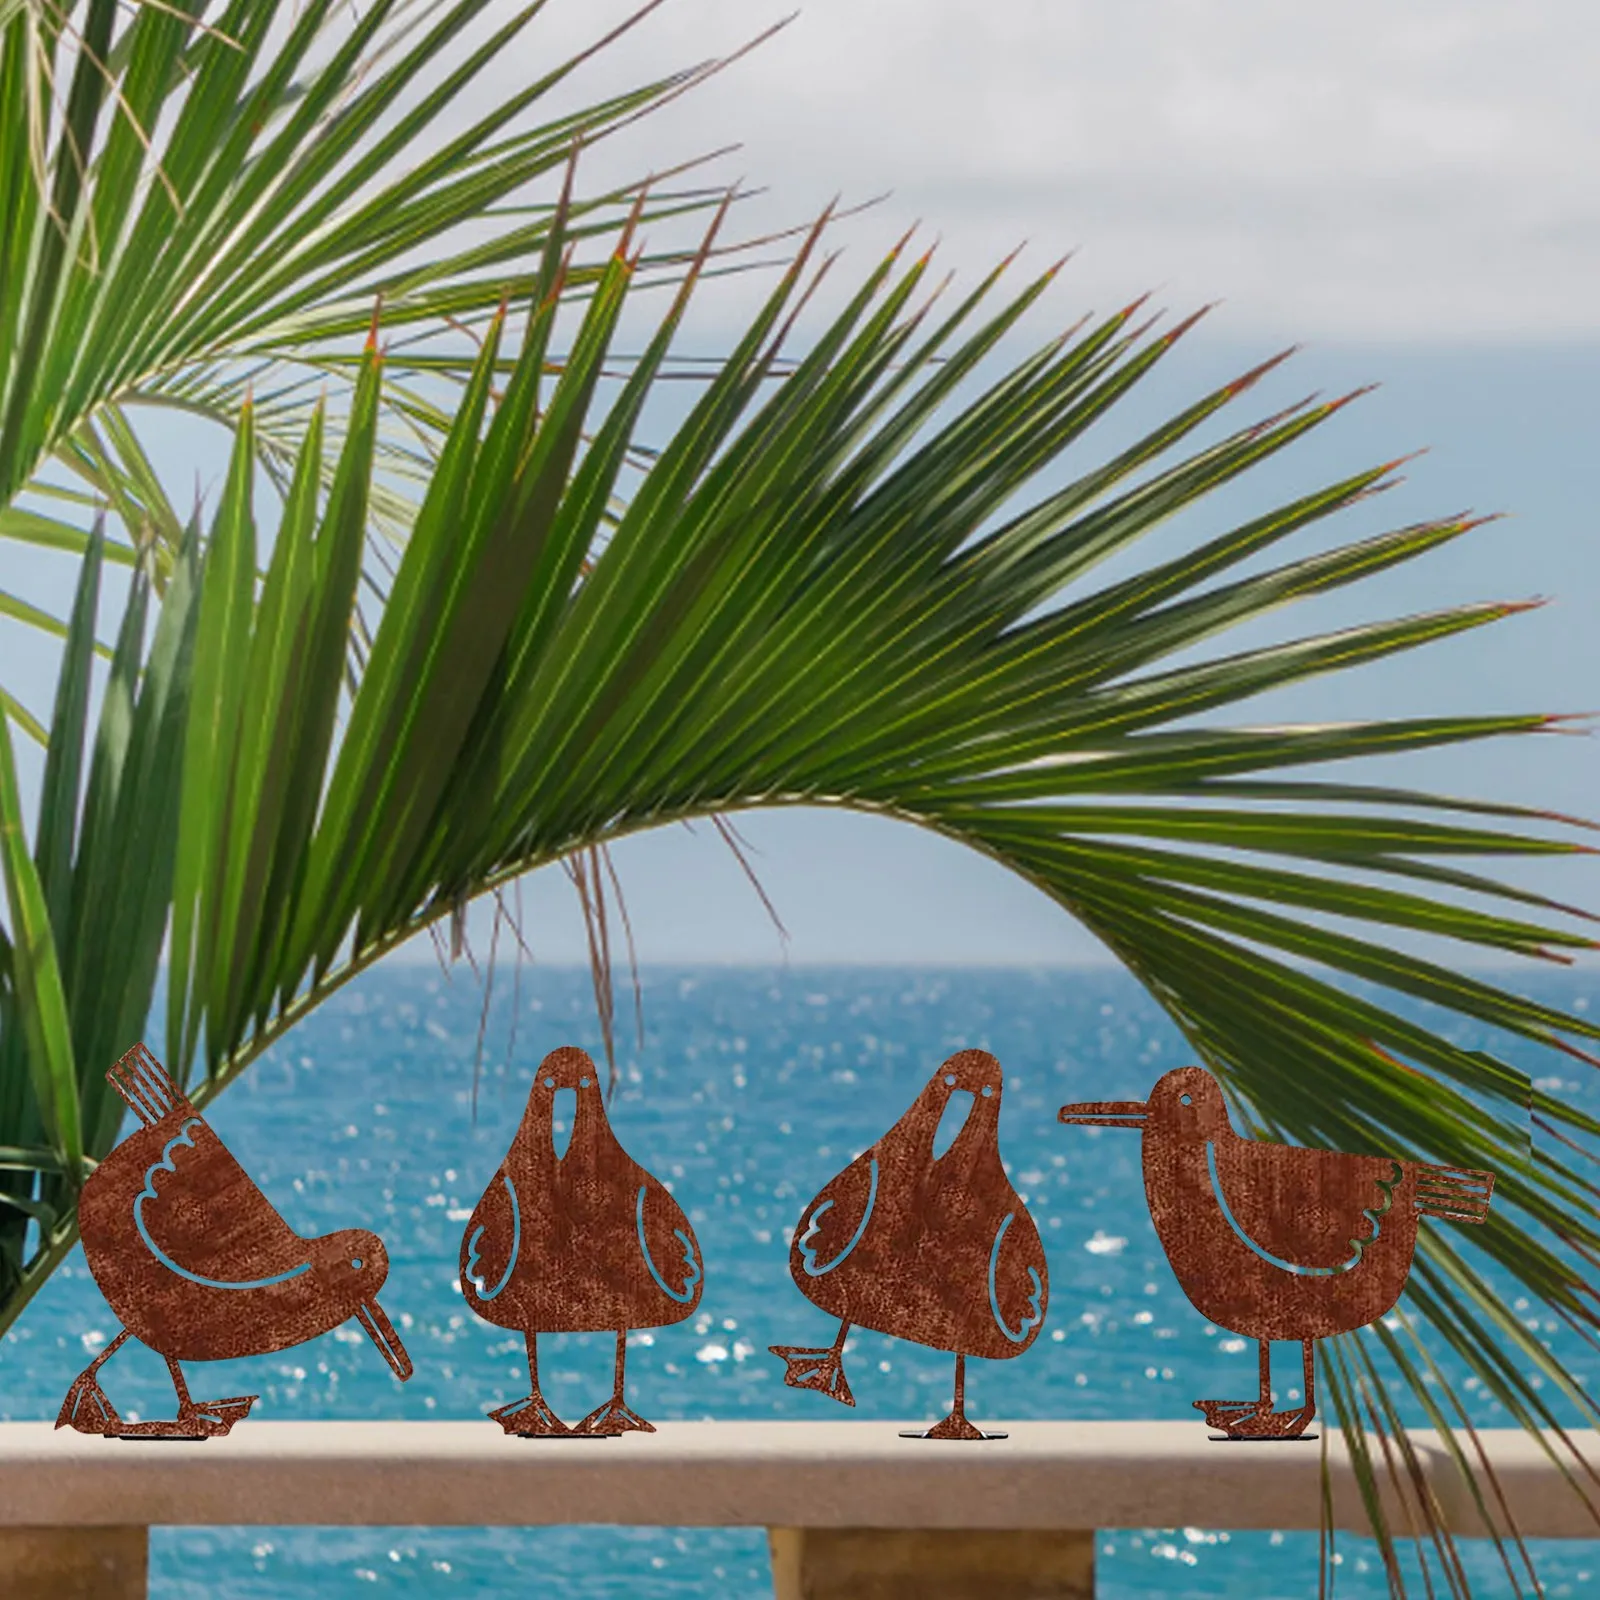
1376,168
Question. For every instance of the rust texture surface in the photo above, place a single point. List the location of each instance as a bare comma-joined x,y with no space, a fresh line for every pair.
937,1249
196,1263
1272,1241
581,1239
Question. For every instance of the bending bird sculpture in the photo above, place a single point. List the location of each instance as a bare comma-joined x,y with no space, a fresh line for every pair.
197,1264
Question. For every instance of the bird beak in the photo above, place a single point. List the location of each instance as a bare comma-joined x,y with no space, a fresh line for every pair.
381,1331
1106,1113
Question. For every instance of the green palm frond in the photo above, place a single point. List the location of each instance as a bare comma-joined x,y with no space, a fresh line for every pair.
205,201
843,588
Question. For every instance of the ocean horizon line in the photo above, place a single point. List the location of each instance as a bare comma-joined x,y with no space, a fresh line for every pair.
1581,964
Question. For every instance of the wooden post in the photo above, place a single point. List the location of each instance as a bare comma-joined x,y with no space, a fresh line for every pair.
937,1564
74,1563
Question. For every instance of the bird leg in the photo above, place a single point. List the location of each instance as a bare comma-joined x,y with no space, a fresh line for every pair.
1308,1371
956,1426
205,1419
1255,1419
1233,1416
199,1419
531,1418
88,1409
822,1370
614,1417
87,1406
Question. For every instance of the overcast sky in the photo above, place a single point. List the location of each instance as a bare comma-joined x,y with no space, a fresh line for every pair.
1408,185
1396,169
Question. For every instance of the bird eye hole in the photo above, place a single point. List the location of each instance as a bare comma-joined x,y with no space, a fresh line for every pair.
988,1089
1186,1099
549,1083
950,1079
356,1263
583,1083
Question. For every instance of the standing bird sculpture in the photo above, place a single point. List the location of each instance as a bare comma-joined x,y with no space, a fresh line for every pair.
1272,1241
937,1249
197,1264
574,1240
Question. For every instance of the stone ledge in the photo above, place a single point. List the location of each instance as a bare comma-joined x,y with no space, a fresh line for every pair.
846,1474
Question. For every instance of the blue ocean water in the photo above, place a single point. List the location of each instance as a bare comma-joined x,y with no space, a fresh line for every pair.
750,1090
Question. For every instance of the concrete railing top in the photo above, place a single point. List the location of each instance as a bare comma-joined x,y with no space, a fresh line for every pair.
773,1474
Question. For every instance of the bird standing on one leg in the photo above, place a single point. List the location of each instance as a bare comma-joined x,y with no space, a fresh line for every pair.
1272,1241
576,1240
937,1249
197,1264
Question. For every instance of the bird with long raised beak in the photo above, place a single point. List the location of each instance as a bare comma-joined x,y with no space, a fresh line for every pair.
926,1245
574,1236
1272,1241
197,1264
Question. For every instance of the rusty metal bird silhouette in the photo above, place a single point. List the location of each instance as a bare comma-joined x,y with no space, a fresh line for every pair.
577,1240
1272,1241
935,1248
197,1264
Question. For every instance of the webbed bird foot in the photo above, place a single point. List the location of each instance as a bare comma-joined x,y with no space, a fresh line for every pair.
218,1416
612,1418
1228,1414
198,1419
822,1370
531,1418
88,1407
956,1426
1250,1419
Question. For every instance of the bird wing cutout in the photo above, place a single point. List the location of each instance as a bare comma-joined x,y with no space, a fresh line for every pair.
200,1214
832,1225
493,1240
1018,1288
1303,1210
668,1244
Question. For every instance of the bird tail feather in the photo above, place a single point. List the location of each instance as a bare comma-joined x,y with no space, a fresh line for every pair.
1453,1194
146,1087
